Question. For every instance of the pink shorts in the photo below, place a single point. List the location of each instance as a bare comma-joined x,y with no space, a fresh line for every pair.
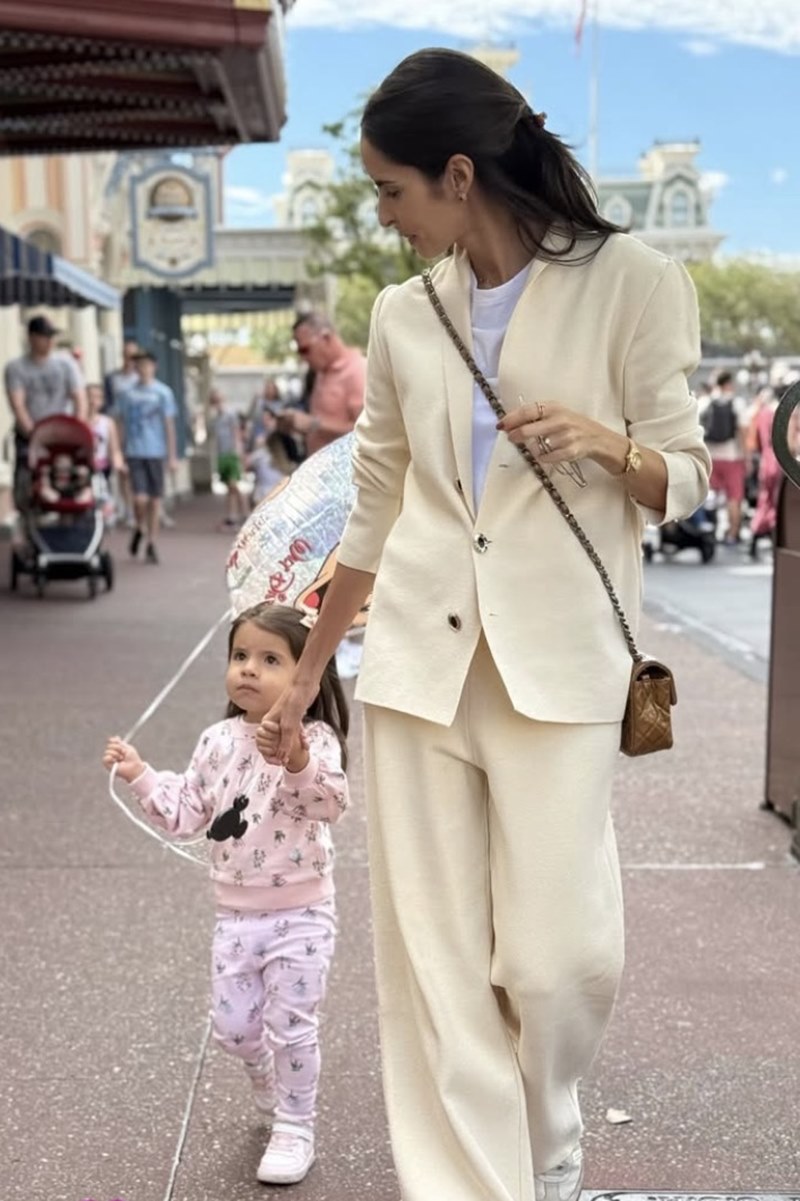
728,476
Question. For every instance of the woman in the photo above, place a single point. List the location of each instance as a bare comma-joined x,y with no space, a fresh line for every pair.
495,675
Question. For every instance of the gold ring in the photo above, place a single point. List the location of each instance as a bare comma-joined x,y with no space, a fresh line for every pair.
548,445
539,411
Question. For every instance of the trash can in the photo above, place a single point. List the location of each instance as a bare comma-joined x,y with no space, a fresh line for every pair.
783,715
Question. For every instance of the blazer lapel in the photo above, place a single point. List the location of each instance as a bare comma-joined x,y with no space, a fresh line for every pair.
453,287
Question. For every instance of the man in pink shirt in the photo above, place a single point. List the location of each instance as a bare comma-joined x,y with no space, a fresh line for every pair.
337,396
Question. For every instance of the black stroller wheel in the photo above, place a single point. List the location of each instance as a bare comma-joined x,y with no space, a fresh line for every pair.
107,569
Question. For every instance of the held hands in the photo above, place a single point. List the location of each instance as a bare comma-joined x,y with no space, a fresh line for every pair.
268,741
125,757
280,737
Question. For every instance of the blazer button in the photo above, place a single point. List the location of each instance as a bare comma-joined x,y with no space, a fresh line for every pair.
454,621
481,544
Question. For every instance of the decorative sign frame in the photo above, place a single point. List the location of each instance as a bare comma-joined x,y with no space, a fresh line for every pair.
171,221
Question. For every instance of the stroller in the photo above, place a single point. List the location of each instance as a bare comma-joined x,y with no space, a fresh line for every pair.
697,532
61,520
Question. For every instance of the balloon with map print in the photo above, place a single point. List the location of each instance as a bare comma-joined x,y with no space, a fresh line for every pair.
286,550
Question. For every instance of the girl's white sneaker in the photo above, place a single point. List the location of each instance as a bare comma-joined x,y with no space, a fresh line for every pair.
289,1154
563,1182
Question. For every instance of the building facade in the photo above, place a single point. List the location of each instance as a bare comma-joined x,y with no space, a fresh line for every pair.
665,205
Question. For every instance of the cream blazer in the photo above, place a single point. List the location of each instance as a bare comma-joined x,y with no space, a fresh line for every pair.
614,338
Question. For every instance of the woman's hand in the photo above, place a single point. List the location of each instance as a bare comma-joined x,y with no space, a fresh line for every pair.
279,733
125,757
555,434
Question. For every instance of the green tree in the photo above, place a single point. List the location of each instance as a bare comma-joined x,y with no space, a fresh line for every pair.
745,306
348,241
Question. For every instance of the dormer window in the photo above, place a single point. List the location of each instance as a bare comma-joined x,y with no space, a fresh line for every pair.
617,210
681,208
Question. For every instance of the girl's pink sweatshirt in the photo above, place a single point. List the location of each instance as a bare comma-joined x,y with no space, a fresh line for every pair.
269,830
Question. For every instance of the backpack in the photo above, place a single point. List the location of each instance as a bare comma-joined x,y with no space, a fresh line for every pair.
719,421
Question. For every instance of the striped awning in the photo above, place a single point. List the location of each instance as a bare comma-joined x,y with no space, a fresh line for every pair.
30,276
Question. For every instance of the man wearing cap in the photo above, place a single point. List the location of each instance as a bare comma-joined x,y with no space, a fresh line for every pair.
39,384
146,415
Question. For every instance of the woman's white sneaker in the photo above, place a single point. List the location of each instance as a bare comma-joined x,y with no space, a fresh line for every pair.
289,1154
563,1182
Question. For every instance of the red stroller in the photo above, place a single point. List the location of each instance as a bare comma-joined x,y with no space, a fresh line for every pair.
62,522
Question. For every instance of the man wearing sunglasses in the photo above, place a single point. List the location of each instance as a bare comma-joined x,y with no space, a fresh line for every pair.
337,395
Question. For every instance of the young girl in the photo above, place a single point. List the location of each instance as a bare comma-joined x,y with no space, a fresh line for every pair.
272,861
108,459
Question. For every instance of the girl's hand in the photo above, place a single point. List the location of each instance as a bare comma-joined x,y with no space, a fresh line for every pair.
554,434
279,736
125,757
268,737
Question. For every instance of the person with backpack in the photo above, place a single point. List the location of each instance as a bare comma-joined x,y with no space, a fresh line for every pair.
723,418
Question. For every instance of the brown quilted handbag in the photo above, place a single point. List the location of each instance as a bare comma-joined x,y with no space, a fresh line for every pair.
647,724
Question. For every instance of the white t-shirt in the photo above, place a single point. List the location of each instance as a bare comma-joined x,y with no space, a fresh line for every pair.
491,313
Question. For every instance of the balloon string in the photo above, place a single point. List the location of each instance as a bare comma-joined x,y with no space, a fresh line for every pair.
137,725
151,830
179,674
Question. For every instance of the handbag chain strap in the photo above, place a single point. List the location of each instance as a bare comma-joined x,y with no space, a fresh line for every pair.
544,478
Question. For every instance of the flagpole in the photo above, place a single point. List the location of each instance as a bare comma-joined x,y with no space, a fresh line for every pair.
594,97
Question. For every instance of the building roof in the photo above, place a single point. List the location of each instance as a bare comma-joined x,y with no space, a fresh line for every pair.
88,75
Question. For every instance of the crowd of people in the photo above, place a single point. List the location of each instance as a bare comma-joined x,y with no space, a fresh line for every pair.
745,474
271,438
133,415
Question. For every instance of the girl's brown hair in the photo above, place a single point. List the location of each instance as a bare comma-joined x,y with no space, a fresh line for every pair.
330,704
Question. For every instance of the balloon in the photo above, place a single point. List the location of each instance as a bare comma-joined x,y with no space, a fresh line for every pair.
286,550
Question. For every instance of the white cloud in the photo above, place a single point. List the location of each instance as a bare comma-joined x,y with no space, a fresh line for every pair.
700,48
774,26
779,175
712,182
246,204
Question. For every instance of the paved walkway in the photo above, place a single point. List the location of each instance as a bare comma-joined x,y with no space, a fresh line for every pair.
108,1086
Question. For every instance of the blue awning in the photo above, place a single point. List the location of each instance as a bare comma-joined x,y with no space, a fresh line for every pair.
29,276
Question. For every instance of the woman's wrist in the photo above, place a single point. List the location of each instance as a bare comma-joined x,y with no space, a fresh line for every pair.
611,451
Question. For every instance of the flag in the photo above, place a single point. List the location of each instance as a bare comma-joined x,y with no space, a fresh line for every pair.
579,25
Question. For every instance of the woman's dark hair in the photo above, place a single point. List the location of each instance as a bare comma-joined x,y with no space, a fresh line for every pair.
330,704
437,103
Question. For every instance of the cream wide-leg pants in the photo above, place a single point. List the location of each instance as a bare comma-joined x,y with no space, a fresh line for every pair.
497,909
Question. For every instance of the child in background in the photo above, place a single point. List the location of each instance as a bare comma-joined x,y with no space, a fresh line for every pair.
108,459
266,475
272,862
227,437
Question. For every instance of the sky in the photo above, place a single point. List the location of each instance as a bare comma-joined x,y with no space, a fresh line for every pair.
723,72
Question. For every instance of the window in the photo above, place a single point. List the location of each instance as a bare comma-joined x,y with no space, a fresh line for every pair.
44,239
618,211
681,208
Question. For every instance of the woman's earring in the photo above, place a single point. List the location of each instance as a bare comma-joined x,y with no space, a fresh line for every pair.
462,195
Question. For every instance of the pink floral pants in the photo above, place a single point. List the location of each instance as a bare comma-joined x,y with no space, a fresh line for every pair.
269,975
